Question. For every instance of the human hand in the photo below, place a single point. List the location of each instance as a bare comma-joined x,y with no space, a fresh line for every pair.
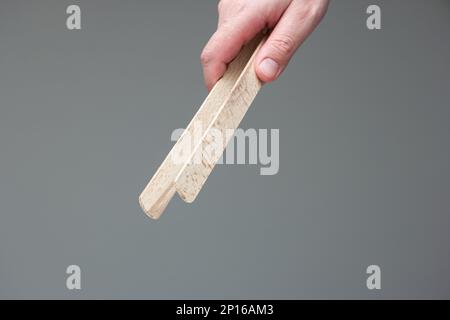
240,20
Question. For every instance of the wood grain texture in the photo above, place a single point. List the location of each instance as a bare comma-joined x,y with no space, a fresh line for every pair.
222,109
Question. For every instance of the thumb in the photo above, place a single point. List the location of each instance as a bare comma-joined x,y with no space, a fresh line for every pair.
297,22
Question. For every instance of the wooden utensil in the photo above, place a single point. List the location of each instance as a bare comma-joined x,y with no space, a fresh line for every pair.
223,109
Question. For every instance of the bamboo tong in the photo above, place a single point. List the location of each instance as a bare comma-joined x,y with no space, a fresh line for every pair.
223,110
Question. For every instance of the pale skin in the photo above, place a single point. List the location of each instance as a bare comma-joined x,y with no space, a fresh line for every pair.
290,23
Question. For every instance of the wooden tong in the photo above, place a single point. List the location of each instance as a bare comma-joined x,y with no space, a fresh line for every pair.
223,109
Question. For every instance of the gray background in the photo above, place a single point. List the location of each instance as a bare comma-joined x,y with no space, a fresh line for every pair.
86,118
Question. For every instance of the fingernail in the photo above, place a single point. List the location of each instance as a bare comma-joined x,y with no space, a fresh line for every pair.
269,68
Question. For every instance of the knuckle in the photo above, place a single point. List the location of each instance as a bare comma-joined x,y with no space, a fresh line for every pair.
232,7
220,5
205,56
224,6
283,44
314,10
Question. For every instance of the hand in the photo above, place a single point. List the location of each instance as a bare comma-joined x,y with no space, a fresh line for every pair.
240,20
